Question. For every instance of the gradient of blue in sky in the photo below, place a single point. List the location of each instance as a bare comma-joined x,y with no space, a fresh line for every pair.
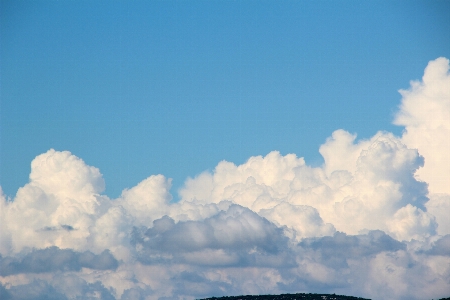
137,88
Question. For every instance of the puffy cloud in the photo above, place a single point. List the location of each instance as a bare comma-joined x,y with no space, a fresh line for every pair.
340,152
371,221
190,283
404,275
58,205
112,231
74,289
383,183
304,220
134,294
425,113
411,222
65,175
147,200
336,251
364,196
237,236
439,206
54,259
259,176
39,290
441,246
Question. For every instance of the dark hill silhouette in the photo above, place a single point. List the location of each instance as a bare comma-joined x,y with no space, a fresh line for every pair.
298,296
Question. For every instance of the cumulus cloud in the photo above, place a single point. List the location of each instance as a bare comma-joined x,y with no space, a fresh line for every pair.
54,259
365,196
338,250
371,221
425,113
42,289
235,237
36,290
59,205
441,246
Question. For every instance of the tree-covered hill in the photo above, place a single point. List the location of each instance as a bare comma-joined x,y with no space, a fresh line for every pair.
298,296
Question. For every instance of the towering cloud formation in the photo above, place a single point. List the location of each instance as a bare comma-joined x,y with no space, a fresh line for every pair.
425,113
372,221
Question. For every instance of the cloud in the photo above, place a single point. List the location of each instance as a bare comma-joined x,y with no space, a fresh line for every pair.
371,221
65,175
335,251
304,220
410,222
39,290
63,193
237,236
366,196
438,206
54,259
190,283
148,199
441,246
425,113
134,294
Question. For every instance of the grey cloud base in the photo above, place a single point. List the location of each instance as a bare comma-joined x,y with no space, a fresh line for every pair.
53,259
333,263
371,222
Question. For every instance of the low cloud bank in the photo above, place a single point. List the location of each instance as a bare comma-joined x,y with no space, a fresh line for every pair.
54,259
371,222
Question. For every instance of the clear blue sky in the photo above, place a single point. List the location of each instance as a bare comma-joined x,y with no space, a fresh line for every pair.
137,88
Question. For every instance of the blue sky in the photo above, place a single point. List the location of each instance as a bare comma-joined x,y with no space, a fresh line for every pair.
226,98
173,87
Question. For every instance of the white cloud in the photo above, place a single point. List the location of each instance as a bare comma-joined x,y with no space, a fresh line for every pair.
271,174
364,223
304,220
148,200
439,206
410,222
425,113
62,194
65,175
365,195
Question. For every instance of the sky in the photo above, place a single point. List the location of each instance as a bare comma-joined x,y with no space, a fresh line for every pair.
187,149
